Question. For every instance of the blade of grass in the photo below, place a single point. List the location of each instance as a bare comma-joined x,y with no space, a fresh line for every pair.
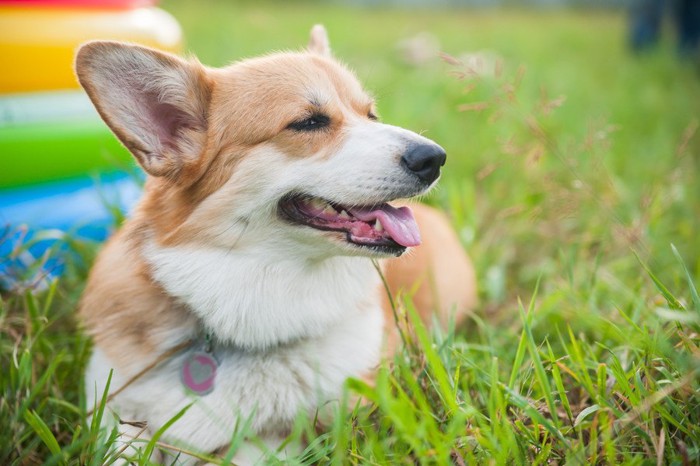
437,368
691,284
559,384
44,433
670,299
148,451
535,356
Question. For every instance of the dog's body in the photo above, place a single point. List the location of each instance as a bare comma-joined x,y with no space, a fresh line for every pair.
264,205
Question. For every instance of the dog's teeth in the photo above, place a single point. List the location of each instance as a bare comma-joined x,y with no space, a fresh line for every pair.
318,204
344,215
378,225
329,210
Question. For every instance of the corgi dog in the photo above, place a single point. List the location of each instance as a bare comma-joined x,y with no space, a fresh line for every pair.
244,283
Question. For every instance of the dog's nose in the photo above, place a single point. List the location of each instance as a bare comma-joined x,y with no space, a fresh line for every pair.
424,161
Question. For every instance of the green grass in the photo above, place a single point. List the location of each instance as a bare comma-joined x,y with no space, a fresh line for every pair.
572,181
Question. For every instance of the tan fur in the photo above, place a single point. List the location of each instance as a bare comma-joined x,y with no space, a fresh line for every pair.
125,312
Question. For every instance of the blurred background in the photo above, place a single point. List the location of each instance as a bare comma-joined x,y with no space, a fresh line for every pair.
565,121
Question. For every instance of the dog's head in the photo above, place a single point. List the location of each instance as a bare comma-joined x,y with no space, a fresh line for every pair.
272,150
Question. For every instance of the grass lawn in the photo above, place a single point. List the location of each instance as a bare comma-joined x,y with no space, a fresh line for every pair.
572,181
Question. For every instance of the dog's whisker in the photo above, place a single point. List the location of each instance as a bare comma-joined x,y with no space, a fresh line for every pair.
246,223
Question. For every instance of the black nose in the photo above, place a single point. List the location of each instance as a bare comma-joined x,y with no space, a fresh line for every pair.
424,161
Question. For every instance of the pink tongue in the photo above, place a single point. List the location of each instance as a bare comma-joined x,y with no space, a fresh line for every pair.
398,223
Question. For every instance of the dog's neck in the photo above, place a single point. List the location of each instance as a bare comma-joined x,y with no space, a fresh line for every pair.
259,299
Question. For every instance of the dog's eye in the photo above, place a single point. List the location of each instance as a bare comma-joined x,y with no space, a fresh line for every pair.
312,123
372,116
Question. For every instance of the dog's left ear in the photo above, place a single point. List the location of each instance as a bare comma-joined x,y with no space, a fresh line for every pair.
155,103
318,43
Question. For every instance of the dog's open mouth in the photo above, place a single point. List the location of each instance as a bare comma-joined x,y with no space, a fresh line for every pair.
381,227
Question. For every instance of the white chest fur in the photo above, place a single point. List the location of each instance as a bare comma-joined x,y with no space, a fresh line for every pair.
259,298
294,331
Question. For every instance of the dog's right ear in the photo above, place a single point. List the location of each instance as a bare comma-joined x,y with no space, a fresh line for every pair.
318,41
155,103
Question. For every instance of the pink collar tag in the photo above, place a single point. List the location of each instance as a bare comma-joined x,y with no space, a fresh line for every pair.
198,372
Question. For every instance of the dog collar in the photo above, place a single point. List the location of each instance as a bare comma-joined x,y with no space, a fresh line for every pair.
198,371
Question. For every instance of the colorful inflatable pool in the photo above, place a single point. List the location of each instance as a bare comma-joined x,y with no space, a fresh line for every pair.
38,39
53,145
